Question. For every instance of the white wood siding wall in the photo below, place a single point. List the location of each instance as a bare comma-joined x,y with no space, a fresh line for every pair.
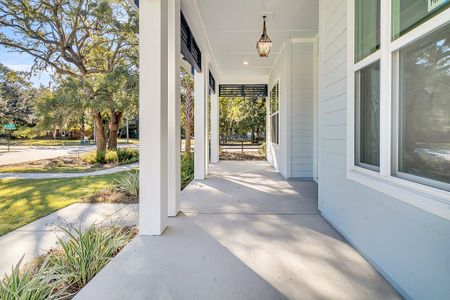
293,157
409,246
302,111
277,155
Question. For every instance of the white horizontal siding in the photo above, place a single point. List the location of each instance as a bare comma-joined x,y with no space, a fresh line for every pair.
302,110
408,245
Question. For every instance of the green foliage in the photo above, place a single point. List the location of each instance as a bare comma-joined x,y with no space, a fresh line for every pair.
25,132
262,149
187,102
85,253
127,155
32,284
240,116
187,169
129,182
61,273
94,157
16,97
64,108
111,157
119,156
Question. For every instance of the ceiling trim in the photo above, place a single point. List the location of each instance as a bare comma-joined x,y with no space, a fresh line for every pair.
212,56
303,40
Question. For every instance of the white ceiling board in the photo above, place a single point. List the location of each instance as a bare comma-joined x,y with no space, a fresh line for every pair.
234,26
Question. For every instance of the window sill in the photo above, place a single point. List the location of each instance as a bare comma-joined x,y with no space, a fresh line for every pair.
430,199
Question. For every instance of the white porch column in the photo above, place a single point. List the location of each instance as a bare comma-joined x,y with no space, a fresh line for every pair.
215,148
153,116
200,121
174,102
207,121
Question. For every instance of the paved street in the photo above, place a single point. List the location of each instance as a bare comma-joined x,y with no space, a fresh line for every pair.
22,154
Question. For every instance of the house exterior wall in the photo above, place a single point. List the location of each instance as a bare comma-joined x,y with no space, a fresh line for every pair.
277,153
408,245
293,156
302,112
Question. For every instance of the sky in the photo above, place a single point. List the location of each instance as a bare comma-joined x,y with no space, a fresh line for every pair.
22,62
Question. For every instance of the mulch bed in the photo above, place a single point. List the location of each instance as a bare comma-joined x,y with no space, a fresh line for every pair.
62,161
112,195
254,155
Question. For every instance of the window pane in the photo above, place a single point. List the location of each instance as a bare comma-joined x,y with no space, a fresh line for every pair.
274,99
274,120
367,28
407,14
424,104
368,117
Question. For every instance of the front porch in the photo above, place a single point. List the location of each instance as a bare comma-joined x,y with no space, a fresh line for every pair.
243,233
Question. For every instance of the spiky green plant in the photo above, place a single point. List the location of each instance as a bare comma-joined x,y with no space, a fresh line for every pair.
32,284
84,253
187,169
129,182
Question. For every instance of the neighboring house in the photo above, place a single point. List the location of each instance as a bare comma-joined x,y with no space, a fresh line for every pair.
358,100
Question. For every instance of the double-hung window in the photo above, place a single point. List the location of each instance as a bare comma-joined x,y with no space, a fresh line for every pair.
367,84
399,96
275,113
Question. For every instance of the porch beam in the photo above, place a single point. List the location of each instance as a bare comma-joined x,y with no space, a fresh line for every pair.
153,95
215,147
174,102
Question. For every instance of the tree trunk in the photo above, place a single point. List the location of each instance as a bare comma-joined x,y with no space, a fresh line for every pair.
188,133
188,121
83,125
100,139
114,129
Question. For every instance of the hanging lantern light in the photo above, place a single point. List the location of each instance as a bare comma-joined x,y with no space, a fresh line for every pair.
264,44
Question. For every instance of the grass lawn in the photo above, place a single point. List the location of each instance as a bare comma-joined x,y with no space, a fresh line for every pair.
23,201
39,169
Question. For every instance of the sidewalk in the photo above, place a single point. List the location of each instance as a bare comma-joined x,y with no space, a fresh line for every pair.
69,175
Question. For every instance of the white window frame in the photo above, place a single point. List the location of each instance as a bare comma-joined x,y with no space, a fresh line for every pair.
277,112
428,198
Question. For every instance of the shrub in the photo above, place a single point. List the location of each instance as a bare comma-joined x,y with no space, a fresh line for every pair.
111,157
129,182
25,132
85,253
61,273
94,157
121,156
187,169
127,155
39,283
262,149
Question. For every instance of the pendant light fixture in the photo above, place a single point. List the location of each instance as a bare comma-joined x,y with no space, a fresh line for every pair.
264,44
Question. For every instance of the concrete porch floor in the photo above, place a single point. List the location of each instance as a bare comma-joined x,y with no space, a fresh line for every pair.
245,233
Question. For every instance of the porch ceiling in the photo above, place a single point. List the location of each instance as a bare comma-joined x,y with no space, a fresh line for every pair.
234,26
